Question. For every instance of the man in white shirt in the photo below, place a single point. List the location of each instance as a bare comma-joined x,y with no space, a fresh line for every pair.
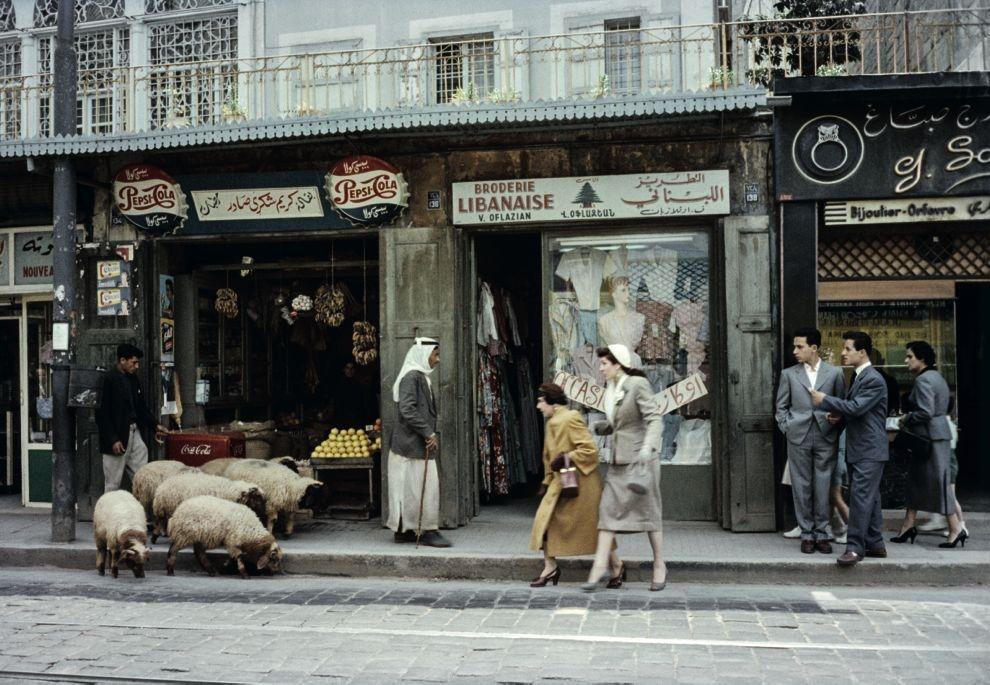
812,438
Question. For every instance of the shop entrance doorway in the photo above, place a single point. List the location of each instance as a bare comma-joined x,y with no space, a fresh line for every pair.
10,405
973,351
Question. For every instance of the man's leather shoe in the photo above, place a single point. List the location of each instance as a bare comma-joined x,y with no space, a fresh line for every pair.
405,536
432,538
823,546
848,559
878,552
807,546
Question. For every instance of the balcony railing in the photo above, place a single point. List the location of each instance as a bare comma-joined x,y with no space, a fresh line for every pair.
645,61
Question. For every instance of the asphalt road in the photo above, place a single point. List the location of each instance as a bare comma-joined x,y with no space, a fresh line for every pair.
74,626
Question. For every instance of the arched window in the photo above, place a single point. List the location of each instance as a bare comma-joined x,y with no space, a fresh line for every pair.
162,6
46,11
6,15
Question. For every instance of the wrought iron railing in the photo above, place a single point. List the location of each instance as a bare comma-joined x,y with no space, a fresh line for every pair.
493,71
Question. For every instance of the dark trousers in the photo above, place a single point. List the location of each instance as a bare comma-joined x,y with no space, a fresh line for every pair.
865,516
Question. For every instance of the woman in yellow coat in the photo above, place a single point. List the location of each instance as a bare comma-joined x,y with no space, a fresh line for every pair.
565,526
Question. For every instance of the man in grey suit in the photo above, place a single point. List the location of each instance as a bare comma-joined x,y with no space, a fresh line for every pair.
812,440
864,414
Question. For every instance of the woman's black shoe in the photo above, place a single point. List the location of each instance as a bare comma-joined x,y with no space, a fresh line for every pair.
541,580
907,536
616,581
960,540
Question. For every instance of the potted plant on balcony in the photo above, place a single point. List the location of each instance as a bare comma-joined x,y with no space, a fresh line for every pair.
602,89
465,95
721,77
500,95
178,110
304,109
796,41
232,111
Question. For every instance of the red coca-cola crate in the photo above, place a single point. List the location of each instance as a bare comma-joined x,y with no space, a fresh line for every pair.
195,449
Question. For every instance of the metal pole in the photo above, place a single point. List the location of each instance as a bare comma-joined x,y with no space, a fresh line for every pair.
64,263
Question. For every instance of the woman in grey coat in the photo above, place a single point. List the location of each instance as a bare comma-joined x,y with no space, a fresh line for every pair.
631,493
413,480
929,487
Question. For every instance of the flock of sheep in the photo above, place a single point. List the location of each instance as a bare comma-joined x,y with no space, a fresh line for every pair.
227,503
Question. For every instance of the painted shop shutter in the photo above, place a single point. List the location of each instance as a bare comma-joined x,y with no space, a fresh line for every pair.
749,347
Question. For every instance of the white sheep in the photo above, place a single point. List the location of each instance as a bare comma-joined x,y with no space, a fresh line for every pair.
216,467
175,490
150,476
286,491
207,522
119,526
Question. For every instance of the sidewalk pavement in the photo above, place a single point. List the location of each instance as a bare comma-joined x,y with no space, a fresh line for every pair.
495,546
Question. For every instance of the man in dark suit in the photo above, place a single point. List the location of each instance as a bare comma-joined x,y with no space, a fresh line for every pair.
864,413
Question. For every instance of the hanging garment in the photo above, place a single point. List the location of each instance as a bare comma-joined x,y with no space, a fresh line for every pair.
657,341
585,268
621,328
689,316
562,316
513,322
694,442
586,364
671,428
530,425
657,268
487,330
692,279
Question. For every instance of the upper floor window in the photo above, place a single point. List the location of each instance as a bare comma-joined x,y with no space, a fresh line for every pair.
161,6
10,89
465,67
6,15
46,11
622,54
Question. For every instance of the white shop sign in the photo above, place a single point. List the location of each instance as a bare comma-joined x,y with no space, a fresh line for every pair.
592,198
856,212
257,203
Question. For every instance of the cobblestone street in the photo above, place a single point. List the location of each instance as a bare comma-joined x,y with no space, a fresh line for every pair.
296,629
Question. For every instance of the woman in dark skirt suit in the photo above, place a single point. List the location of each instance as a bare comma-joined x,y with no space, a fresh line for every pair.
631,492
929,486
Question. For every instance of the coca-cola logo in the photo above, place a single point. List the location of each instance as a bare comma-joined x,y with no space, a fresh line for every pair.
201,450
367,191
149,198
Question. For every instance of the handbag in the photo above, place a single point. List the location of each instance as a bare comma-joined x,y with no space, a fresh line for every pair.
568,479
911,447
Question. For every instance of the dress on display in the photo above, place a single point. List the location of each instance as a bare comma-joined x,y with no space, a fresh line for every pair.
563,329
657,341
622,328
690,316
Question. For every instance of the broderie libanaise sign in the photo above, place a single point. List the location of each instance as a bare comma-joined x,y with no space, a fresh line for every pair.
367,191
149,198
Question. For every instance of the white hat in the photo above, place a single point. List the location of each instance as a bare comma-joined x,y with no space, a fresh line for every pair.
622,355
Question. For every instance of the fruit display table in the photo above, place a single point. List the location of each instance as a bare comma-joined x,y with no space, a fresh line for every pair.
351,507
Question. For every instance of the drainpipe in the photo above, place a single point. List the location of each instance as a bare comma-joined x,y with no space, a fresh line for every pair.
64,300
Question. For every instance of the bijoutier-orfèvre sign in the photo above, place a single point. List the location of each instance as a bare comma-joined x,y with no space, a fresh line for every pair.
592,198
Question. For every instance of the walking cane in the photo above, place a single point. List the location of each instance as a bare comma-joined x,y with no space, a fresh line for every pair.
422,495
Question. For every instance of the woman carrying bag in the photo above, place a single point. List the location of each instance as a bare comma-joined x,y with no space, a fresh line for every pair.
929,486
631,495
566,523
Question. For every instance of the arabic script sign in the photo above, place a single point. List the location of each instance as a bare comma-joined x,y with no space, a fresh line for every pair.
149,198
257,203
592,198
33,261
367,191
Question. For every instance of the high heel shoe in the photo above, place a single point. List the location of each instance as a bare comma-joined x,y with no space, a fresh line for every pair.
593,585
615,582
542,580
906,536
960,540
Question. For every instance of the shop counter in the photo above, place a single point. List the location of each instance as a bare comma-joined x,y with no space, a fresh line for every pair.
356,507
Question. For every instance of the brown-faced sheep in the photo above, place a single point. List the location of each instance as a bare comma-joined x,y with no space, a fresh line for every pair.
287,492
120,528
175,490
150,476
207,522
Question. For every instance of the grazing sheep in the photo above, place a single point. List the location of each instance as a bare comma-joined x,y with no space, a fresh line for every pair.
119,526
287,462
150,476
175,490
217,467
206,522
286,491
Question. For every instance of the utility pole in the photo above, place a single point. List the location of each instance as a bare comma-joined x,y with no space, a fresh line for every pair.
64,294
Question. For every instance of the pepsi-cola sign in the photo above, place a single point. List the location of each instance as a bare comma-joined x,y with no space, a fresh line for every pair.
149,198
367,191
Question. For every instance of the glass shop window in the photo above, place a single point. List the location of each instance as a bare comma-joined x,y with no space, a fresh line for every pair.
39,355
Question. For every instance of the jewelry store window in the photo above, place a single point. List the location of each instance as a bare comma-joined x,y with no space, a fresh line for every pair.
651,294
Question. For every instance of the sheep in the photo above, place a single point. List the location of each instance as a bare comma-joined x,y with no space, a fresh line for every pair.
287,462
216,467
286,491
150,476
206,522
173,491
120,527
